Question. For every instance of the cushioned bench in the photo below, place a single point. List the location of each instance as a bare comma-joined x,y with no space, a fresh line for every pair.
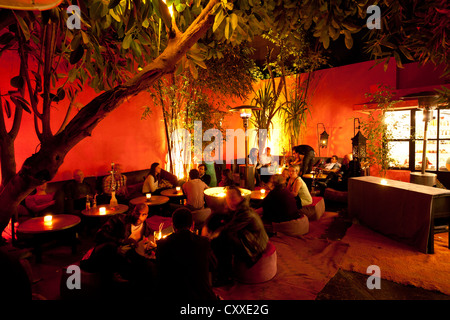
315,210
263,270
292,228
155,220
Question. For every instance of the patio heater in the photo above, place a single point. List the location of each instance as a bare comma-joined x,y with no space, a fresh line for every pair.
246,172
323,137
427,102
358,142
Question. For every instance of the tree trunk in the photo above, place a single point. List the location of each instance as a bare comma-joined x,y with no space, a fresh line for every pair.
43,165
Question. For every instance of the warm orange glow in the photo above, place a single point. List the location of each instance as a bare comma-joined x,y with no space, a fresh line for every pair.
148,196
102,210
263,191
48,220
383,182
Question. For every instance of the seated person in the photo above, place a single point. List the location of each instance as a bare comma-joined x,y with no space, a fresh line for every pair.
75,192
238,234
119,243
183,261
193,189
227,178
332,166
339,180
279,205
206,178
119,185
40,202
298,188
154,183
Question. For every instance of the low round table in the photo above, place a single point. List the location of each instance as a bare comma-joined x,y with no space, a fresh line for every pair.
110,210
154,200
37,226
173,194
258,195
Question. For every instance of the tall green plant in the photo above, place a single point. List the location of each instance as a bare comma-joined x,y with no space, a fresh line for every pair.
376,131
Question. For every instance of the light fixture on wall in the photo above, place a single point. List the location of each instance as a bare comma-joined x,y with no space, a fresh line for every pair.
358,142
323,137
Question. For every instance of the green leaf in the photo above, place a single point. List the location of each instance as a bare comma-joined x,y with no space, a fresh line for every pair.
127,41
6,38
77,54
17,82
7,108
227,28
234,21
24,27
218,20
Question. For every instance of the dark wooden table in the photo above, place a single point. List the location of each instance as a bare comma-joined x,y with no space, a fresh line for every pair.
37,227
154,200
173,194
110,210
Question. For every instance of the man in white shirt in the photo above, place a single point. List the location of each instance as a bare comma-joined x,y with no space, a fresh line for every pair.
193,189
333,165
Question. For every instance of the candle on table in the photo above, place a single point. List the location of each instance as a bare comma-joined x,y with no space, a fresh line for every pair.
148,195
48,220
178,189
102,211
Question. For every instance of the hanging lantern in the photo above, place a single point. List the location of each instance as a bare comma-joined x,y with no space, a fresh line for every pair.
358,143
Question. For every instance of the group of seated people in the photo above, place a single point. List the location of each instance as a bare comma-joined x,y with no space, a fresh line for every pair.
185,259
183,265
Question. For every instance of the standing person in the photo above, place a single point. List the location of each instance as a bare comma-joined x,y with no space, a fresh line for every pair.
119,185
75,192
307,156
183,262
253,159
298,188
239,234
206,178
193,189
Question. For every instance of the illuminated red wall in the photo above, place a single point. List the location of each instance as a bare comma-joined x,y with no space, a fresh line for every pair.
123,137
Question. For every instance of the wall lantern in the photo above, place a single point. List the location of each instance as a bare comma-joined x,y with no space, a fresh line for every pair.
323,137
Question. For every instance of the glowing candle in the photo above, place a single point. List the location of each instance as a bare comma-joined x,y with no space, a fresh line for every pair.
263,191
148,195
178,189
102,211
383,181
48,220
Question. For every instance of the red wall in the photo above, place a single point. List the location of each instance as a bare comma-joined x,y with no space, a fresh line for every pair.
124,138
